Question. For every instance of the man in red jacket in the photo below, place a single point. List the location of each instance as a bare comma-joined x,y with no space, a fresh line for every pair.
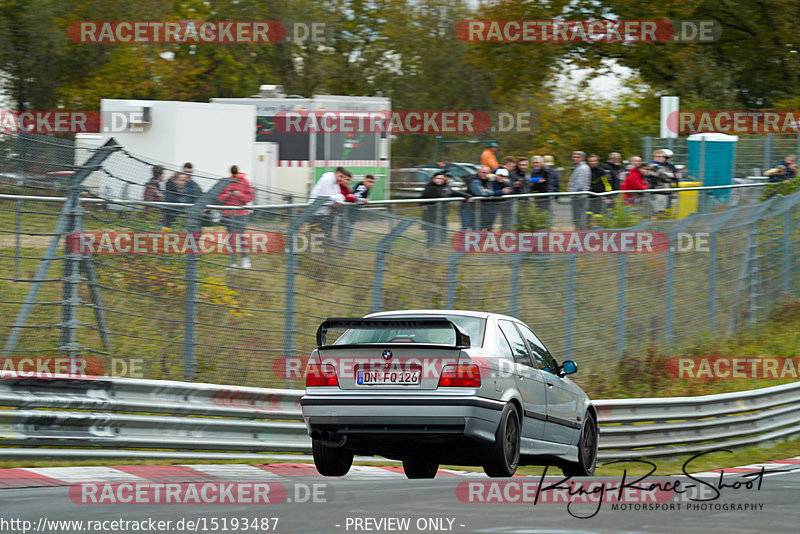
238,193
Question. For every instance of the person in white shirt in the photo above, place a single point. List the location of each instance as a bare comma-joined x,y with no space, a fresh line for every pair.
328,186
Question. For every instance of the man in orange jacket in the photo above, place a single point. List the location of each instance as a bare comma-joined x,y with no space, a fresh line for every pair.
238,193
488,158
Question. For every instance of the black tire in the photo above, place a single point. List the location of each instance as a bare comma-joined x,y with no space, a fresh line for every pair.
331,461
416,468
501,458
587,450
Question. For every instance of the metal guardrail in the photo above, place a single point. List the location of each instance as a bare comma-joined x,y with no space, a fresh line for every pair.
119,417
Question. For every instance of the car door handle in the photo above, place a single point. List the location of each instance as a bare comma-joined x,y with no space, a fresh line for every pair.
549,385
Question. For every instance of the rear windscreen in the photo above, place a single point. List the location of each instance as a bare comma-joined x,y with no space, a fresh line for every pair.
440,335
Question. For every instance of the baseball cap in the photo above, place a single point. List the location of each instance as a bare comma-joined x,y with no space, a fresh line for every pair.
501,172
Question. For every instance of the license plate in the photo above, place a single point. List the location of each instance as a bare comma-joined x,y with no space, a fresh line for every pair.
380,378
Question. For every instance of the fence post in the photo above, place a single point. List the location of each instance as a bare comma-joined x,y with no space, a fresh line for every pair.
516,263
648,147
787,251
291,272
452,279
194,225
669,302
622,276
380,255
62,228
753,285
514,207
71,277
767,145
569,326
18,237
797,146
703,160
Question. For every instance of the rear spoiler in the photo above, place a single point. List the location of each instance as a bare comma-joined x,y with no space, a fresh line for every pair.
462,338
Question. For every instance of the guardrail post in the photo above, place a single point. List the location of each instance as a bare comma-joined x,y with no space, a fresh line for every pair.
291,276
622,276
452,279
380,256
569,325
194,225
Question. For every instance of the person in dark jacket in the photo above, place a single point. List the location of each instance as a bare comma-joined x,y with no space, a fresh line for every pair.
788,162
555,178
613,165
180,189
541,181
435,213
477,186
519,177
153,192
600,183
499,185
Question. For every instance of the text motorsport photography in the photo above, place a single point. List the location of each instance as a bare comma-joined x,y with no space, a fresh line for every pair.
584,499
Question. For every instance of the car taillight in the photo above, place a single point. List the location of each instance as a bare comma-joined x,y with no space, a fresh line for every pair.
460,376
324,375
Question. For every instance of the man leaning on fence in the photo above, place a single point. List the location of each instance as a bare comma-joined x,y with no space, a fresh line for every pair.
328,186
180,189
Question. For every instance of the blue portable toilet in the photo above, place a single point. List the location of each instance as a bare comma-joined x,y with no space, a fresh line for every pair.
711,160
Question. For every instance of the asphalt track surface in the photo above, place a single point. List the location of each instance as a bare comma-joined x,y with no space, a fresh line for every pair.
382,504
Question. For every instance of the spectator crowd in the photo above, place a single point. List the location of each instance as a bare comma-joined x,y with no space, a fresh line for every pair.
493,182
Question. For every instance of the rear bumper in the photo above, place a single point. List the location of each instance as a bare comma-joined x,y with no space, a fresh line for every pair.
446,416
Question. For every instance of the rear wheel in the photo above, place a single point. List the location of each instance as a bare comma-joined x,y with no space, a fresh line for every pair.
587,450
416,468
501,458
331,461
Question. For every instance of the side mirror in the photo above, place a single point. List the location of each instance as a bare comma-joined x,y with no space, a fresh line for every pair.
569,367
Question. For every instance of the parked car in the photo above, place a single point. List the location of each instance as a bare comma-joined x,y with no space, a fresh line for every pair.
410,182
433,387
459,170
